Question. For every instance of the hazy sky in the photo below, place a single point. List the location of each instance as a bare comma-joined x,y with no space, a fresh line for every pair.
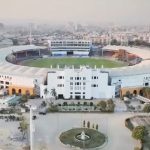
101,11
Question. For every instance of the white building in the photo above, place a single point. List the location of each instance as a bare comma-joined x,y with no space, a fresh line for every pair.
70,47
83,83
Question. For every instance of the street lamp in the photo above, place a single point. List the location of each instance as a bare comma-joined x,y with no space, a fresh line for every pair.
32,129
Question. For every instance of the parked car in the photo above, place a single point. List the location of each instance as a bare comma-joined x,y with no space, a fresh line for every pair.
34,117
43,111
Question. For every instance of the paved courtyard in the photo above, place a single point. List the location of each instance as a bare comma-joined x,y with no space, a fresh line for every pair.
10,136
49,127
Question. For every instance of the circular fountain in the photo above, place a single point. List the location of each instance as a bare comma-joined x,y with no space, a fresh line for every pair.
83,138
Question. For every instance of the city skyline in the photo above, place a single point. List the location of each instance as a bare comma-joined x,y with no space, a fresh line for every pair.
135,12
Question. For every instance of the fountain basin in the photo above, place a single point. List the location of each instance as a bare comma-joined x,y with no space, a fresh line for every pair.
89,139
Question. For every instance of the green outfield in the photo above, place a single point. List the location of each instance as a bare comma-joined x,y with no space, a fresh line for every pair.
47,62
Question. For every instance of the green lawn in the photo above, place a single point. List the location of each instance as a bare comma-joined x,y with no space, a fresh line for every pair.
47,62
96,139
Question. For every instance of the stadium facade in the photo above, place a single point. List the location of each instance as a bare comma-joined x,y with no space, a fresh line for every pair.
70,47
71,83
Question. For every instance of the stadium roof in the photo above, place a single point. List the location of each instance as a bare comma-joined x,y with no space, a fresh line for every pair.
33,72
141,68
12,69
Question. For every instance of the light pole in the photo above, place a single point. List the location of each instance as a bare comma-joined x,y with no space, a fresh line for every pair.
31,127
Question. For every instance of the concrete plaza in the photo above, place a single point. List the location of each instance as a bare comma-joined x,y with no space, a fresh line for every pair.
49,127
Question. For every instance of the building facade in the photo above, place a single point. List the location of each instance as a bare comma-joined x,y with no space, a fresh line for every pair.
83,83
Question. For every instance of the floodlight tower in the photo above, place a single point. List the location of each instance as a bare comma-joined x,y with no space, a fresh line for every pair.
30,34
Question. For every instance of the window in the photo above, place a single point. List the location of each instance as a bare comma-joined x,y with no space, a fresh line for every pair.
7,83
77,93
77,83
2,82
71,78
60,77
60,85
84,78
95,77
71,93
84,83
146,84
94,85
71,83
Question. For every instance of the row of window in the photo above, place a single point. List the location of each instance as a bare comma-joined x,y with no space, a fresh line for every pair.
77,78
94,77
2,82
61,45
77,83
70,42
1,87
60,77
6,77
77,93
147,78
60,85
77,88
94,85
77,97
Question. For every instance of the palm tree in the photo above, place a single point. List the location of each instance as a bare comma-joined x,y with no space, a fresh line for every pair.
53,93
46,92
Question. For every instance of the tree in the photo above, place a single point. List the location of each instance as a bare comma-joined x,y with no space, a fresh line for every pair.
146,92
23,128
96,126
146,108
88,124
65,104
137,148
53,93
93,126
46,92
110,105
128,94
43,104
24,98
138,132
102,105
84,123
78,104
